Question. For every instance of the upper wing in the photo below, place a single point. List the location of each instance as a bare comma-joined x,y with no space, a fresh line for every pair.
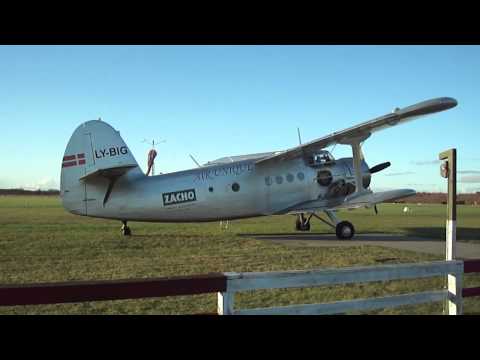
236,158
365,129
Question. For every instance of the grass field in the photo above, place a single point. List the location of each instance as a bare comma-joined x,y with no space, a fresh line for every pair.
40,242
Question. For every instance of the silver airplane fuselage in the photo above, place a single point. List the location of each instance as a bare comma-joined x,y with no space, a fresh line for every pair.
220,192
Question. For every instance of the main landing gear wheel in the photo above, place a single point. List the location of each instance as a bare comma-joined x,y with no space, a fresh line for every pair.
345,230
125,229
302,224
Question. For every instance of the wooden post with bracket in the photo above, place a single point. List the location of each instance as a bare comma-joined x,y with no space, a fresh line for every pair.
448,170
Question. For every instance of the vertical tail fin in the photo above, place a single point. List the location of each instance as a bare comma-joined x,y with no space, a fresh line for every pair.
95,149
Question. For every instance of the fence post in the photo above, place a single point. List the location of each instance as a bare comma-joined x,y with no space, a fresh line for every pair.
454,281
455,300
225,302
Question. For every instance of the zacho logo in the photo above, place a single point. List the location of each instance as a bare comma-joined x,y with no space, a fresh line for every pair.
179,197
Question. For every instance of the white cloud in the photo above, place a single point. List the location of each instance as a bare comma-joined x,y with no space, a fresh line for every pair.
400,173
469,172
470,179
43,184
429,162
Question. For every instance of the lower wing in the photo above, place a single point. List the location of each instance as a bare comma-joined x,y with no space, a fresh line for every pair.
364,199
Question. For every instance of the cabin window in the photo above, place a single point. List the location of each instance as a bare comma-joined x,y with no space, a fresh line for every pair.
210,189
235,187
300,176
268,180
279,179
290,178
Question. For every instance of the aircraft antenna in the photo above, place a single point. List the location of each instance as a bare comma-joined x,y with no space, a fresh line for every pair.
299,138
195,161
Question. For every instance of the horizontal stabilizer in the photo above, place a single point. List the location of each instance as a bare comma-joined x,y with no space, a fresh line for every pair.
108,173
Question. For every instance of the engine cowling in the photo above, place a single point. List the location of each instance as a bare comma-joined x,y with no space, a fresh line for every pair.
340,178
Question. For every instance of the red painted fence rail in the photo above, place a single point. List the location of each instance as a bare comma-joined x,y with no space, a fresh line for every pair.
471,266
79,291
470,292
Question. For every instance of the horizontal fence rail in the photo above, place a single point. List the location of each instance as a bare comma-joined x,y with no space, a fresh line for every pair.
292,279
80,291
471,266
341,307
312,278
471,292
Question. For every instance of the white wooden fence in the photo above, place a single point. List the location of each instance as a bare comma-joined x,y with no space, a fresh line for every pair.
453,269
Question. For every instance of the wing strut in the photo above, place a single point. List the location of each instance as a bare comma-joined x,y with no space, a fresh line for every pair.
355,142
357,164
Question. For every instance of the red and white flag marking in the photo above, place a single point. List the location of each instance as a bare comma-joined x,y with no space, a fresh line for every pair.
71,160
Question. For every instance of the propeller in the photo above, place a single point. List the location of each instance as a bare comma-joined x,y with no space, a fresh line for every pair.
379,167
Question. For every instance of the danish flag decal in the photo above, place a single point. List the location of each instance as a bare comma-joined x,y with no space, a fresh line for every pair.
71,160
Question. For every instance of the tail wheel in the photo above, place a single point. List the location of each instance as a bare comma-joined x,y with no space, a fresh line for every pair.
125,229
345,230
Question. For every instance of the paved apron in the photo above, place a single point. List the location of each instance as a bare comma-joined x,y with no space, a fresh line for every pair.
465,250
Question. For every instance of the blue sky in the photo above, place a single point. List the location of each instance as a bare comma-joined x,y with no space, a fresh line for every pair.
213,101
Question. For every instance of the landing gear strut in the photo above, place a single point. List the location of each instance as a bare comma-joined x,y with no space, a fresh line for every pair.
302,224
343,229
125,229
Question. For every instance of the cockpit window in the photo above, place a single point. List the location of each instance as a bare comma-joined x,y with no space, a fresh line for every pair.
321,158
